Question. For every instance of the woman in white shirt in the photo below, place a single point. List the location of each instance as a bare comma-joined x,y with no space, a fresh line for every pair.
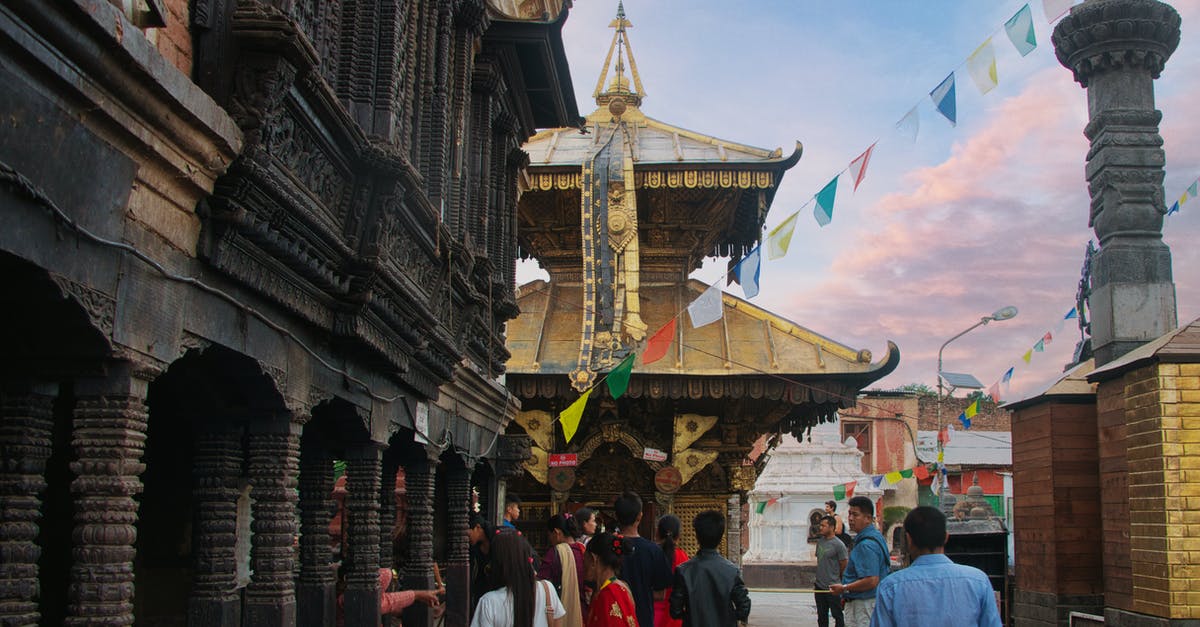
523,600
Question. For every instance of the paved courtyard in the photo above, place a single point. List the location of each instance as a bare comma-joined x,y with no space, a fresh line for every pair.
781,609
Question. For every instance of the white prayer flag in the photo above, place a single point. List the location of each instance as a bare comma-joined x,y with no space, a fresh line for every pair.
982,67
910,125
708,308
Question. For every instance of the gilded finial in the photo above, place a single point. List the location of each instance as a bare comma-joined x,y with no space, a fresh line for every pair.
620,85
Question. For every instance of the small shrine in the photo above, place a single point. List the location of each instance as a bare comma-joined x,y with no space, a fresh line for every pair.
619,212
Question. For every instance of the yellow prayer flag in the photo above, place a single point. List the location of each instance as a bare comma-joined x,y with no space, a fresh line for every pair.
941,456
893,477
1028,355
780,237
571,415
972,409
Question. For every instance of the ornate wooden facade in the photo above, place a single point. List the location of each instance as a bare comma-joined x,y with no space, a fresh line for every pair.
619,216
242,239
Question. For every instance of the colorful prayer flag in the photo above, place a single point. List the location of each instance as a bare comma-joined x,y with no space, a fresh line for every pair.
657,345
618,378
944,100
981,65
966,422
1020,31
1028,355
907,473
893,477
850,488
1039,346
780,237
747,272
1191,190
823,211
1071,315
876,480
708,307
994,392
858,167
944,435
1047,338
921,472
910,125
1174,208
758,509
571,415
839,492
941,456
972,409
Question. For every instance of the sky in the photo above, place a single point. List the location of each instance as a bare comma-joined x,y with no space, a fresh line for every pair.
968,219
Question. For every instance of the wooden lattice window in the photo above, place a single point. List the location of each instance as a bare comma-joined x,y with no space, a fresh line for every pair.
861,432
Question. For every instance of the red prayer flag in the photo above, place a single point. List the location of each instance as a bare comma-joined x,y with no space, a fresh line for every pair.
850,488
1047,337
944,435
921,472
657,345
994,392
858,167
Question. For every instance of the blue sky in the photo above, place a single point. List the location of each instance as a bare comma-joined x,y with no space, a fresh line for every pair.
992,212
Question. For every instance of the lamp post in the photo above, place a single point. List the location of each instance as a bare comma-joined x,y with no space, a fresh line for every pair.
1004,313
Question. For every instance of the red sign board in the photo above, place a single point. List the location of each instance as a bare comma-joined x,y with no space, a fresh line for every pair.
563,460
668,480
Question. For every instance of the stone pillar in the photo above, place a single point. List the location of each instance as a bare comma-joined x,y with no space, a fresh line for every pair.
109,437
362,516
316,592
733,529
26,421
215,598
1116,48
418,572
387,515
457,574
274,447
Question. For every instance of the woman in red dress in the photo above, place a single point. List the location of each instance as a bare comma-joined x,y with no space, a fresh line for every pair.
668,533
612,605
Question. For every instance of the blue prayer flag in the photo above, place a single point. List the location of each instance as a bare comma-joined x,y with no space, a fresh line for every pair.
747,272
944,99
1174,208
823,212
1071,315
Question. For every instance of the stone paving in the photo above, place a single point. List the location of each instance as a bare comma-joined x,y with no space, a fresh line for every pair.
782,609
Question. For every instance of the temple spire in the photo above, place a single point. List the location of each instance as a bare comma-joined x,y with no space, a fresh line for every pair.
620,85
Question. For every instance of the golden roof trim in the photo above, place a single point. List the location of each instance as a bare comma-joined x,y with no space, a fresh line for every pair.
658,179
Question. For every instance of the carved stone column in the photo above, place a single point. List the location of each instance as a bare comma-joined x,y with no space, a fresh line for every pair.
457,574
273,468
215,599
1116,48
316,593
387,515
733,530
418,572
109,437
26,420
362,513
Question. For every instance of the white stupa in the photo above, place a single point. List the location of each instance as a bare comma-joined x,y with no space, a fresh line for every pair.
801,475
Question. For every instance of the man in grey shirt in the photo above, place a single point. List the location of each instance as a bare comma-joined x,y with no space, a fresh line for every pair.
831,561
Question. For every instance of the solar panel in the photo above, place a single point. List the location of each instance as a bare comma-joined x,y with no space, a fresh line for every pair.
961,380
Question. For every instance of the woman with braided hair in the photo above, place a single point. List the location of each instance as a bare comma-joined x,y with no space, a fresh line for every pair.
612,605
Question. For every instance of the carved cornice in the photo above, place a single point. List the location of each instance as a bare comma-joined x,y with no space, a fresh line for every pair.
1103,35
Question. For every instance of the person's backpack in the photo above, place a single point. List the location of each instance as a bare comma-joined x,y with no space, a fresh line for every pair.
846,540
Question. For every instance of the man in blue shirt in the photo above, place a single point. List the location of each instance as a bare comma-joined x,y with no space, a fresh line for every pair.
933,591
512,511
869,563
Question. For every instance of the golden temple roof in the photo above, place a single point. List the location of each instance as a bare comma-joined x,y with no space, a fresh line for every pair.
748,340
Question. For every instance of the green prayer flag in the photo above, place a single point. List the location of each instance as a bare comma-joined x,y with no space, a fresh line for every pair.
907,474
618,378
839,492
761,506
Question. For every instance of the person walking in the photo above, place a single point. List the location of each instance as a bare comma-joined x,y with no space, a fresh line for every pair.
613,604
868,565
934,591
669,528
708,589
645,567
563,566
520,599
831,563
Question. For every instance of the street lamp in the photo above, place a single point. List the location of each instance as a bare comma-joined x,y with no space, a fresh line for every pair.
1004,313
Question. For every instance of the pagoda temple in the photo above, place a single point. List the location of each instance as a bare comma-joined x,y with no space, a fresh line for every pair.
619,212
